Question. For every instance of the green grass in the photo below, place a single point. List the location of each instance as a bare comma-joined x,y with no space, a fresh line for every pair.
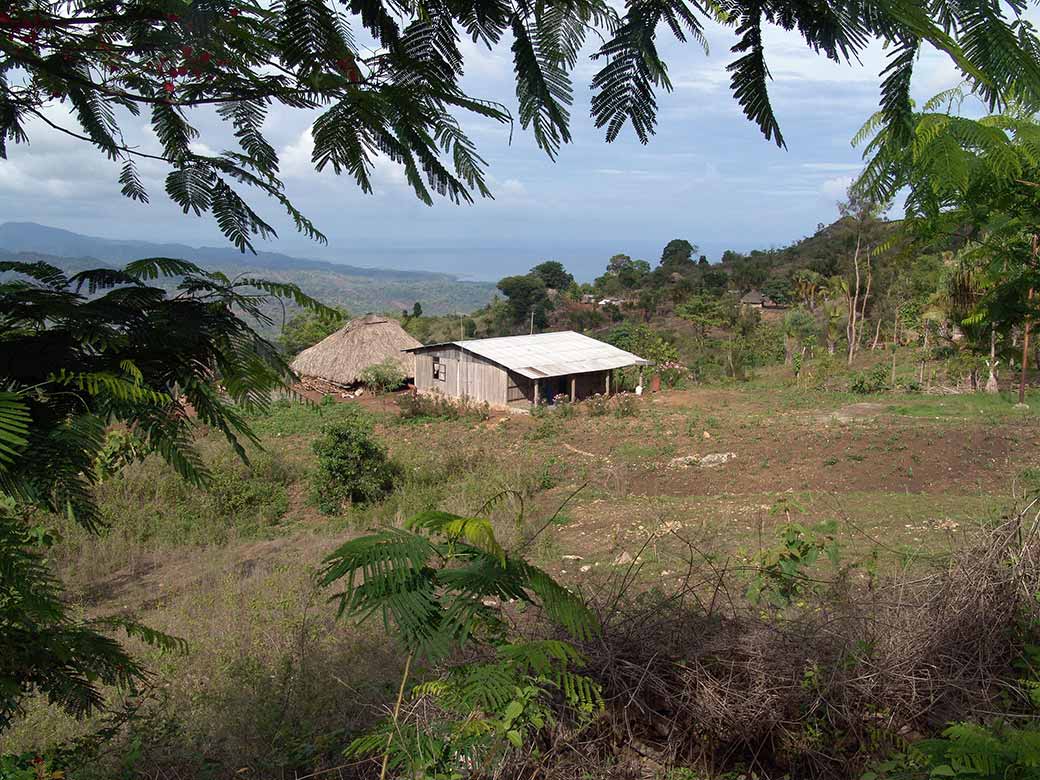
967,405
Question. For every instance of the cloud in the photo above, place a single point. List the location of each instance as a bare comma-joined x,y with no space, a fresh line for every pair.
836,188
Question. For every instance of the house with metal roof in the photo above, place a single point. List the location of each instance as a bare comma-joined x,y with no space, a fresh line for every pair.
520,370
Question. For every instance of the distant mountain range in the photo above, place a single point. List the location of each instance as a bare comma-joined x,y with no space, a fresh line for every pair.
355,288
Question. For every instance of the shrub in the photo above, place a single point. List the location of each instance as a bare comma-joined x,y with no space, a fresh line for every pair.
353,468
423,408
563,406
598,405
868,382
250,498
625,405
383,377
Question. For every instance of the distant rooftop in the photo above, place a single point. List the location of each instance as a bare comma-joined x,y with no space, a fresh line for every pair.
547,354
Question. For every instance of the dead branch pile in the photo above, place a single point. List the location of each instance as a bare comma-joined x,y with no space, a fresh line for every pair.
698,678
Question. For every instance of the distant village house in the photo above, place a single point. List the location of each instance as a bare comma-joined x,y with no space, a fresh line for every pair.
520,370
753,299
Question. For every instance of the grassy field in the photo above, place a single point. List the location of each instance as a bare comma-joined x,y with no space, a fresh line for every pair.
272,684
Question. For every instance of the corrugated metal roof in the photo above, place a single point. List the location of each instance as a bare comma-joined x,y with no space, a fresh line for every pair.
547,354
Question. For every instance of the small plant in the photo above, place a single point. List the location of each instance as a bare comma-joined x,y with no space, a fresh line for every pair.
352,467
597,405
625,405
780,578
563,406
383,377
547,479
548,427
869,382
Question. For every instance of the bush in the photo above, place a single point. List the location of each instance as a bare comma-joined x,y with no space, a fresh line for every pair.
383,377
424,408
250,499
353,468
625,405
598,405
868,382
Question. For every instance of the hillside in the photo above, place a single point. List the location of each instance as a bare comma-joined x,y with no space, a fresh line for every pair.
355,288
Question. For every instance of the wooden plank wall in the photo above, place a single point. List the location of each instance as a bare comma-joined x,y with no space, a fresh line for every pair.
477,379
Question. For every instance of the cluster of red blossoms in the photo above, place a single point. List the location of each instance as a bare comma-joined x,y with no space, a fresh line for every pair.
193,64
24,29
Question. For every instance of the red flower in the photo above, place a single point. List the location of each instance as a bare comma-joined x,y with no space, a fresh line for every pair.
186,51
234,12
169,87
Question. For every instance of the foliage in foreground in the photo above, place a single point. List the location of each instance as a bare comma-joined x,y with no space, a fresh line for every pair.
440,585
44,648
968,750
77,355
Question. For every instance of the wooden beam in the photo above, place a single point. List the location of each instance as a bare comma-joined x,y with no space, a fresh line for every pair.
608,383
536,392
574,389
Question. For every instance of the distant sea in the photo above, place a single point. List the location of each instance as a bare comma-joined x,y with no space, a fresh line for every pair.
585,259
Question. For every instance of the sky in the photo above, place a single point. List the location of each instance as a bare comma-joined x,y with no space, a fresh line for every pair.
707,176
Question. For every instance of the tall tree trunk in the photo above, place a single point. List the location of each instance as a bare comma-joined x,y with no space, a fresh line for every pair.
877,335
1025,353
991,382
863,305
853,301
1025,330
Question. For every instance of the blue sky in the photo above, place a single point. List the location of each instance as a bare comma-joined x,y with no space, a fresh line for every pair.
708,175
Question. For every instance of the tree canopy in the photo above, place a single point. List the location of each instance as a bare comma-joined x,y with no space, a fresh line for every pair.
553,274
384,78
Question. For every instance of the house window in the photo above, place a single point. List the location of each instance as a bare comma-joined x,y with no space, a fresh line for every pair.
439,370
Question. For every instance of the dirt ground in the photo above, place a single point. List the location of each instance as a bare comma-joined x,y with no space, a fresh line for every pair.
718,468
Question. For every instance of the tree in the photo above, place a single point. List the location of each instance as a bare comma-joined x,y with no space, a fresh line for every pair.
715,281
417,309
677,255
643,341
633,273
617,262
649,301
799,327
863,230
702,261
704,312
968,179
807,287
525,295
385,78
79,353
307,328
553,274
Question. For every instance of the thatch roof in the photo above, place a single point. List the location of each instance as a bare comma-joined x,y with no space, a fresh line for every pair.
361,343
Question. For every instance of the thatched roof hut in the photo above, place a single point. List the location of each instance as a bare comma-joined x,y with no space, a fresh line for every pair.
363,342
